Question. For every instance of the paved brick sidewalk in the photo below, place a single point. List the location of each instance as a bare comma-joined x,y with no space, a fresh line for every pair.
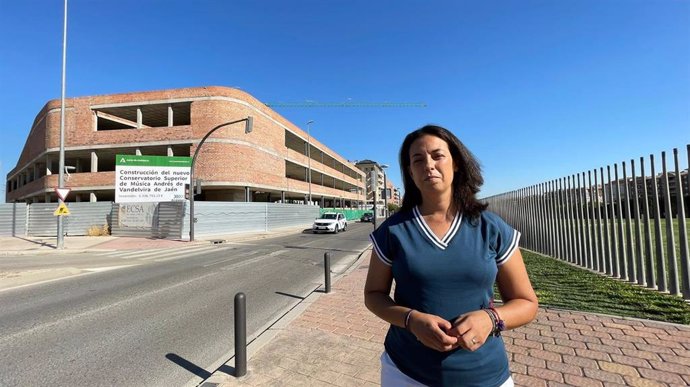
336,341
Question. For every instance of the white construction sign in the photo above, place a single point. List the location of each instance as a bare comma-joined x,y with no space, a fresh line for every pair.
151,178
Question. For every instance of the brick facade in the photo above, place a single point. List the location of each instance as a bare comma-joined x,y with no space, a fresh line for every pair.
270,161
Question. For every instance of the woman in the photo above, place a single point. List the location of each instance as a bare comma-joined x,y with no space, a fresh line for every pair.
445,252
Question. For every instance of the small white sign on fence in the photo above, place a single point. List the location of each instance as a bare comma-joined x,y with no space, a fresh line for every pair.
136,214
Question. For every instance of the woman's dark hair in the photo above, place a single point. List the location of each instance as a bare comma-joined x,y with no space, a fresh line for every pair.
466,180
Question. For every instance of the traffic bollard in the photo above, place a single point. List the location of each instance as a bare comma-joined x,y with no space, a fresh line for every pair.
240,335
327,270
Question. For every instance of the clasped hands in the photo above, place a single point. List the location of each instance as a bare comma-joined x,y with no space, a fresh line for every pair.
469,331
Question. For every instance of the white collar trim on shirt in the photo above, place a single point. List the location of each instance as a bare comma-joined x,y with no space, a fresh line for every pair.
426,230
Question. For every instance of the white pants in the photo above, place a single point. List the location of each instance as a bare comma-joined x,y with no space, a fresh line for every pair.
391,376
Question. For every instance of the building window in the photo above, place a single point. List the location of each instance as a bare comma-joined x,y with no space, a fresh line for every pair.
146,116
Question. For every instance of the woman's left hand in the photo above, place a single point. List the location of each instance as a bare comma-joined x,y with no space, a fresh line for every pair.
472,329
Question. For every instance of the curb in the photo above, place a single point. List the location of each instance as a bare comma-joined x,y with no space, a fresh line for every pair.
50,248
48,252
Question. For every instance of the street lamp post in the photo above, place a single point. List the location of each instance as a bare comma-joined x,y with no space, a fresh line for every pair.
61,177
373,176
309,155
249,123
365,194
385,191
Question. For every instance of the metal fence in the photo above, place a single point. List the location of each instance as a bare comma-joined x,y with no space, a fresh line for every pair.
215,218
630,225
21,219
13,219
167,220
162,220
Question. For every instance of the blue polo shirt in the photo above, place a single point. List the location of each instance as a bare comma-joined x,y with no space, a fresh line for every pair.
448,277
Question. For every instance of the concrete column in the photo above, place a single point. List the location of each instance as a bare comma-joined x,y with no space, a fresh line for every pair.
77,198
138,152
247,194
170,117
282,196
36,172
92,197
46,197
140,118
94,162
49,166
77,165
170,151
323,202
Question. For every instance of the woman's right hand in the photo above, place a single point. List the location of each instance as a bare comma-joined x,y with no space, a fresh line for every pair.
430,330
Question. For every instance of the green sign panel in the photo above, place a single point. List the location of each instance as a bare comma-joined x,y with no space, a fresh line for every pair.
153,161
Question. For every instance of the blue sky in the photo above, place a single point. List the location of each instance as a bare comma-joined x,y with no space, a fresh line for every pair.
536,89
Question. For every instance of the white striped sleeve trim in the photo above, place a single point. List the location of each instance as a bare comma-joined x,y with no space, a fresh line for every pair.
379,253
511,249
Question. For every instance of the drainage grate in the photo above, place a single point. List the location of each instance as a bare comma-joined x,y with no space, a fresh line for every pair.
217,241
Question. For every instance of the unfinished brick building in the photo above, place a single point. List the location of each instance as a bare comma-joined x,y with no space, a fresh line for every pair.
269,164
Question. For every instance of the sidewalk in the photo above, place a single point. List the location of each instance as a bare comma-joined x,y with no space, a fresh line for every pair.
24,245
331,339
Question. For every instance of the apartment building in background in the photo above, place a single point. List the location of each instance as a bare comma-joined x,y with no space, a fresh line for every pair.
397,196
367,166
270,164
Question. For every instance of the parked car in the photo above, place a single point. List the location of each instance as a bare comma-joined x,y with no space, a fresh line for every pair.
367,217
330,222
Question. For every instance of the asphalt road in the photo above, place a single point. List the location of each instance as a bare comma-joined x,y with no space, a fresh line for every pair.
159,323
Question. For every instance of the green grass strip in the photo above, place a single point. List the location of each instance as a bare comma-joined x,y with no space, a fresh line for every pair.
562,285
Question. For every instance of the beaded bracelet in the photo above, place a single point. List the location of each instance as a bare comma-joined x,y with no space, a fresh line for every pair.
493,320
499,325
